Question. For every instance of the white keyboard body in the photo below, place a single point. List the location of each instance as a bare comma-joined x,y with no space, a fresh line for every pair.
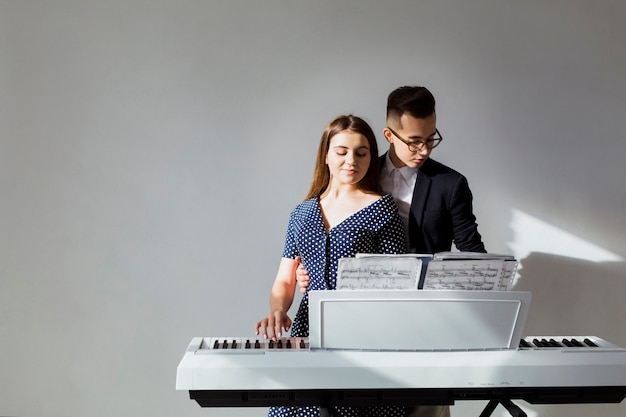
230,374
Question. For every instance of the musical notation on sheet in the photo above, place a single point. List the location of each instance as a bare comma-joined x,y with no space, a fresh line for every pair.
378,273
472,274
443,271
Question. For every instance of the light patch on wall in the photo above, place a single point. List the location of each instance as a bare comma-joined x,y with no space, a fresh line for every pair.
533,235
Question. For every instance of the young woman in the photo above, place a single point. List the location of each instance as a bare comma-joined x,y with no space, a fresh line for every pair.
342,215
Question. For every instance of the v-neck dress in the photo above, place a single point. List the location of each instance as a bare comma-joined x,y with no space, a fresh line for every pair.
376,228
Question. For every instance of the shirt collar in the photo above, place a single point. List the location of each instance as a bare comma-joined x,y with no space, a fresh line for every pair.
407,172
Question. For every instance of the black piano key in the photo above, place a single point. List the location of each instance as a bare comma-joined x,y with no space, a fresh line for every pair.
271,344
577,343
248,344
216,345
302,345
567,343
225,344
288,344
554,343
234,344
589,343
257,345
523,343
280,344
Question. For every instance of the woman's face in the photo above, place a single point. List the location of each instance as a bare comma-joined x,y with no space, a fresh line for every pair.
348,157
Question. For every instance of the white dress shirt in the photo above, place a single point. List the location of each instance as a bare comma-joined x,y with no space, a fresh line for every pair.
399,182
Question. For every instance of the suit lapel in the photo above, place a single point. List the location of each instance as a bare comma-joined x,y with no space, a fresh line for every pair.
420,192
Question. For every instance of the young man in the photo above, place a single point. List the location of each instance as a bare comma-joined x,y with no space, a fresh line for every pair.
434,201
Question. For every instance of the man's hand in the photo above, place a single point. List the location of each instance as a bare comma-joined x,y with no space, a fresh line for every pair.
302,276
273,325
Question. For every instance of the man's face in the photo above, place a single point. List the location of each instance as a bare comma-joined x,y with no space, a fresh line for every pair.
412,130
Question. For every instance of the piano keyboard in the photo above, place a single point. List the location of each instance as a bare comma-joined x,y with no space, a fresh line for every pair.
252,372
562,342
248,344
229,344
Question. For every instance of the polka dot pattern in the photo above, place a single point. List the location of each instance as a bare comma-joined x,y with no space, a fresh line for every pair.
376,228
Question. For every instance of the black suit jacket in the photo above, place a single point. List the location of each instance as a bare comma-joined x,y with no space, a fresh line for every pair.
441,211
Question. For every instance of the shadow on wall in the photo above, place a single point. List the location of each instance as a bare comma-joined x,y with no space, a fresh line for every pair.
574,297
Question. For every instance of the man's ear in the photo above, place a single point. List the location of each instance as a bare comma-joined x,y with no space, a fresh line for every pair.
388,135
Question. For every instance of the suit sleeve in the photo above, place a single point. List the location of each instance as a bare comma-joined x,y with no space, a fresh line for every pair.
464,226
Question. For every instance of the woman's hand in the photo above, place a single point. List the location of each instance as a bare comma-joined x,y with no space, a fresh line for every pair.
273,325
302,276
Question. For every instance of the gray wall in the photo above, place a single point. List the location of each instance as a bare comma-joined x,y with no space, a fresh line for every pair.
151,151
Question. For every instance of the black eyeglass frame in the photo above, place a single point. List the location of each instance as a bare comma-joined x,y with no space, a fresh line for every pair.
415,146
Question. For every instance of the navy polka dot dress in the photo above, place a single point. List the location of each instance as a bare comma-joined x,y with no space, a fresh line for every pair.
376,228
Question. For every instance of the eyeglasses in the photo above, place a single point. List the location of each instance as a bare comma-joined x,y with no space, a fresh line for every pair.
417,145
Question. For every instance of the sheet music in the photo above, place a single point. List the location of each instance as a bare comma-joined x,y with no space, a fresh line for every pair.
379,272
470,274
508,275
443,271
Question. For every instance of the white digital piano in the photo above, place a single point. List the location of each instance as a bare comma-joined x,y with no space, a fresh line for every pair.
374,348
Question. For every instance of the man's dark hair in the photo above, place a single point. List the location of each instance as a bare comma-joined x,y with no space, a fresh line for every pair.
416,101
